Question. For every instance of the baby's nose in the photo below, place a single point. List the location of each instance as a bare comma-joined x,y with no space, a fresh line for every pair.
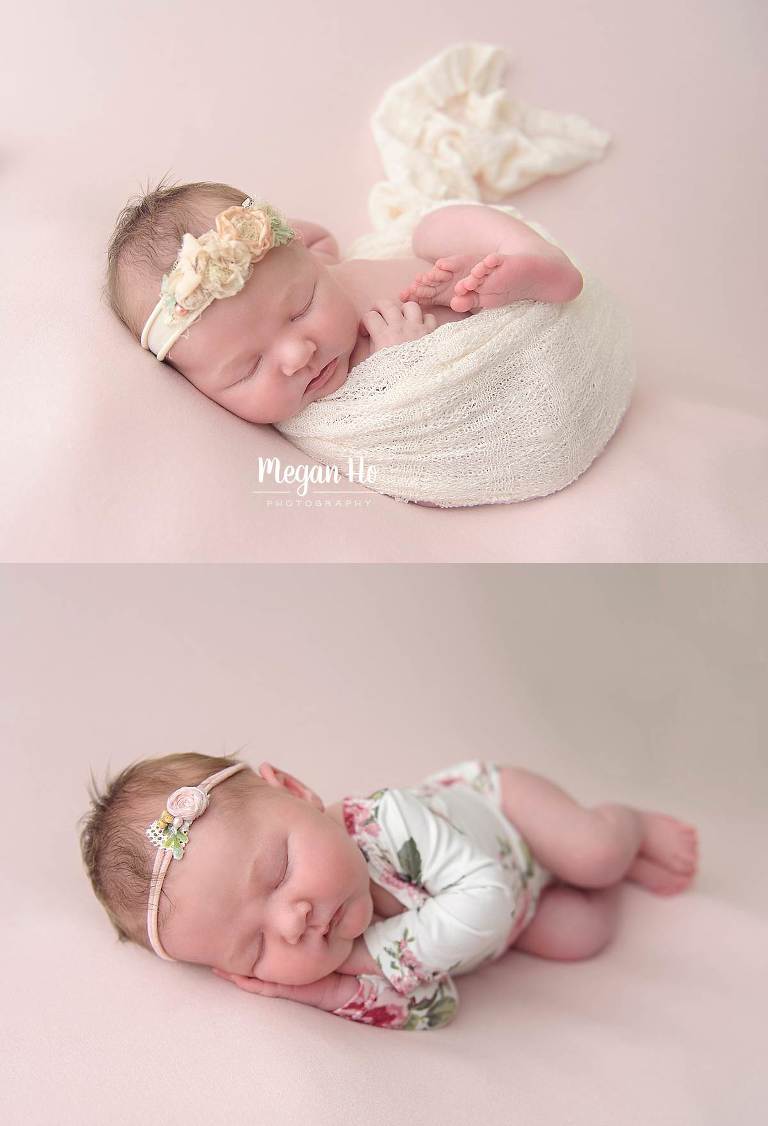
297,361
298,923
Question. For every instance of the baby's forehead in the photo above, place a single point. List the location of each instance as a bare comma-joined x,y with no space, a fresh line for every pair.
280,272
241,832
273,292
270,302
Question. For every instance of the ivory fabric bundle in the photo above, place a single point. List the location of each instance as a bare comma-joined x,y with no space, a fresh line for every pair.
506,404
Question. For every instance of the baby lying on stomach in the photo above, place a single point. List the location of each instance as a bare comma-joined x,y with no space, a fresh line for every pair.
367,907
298,320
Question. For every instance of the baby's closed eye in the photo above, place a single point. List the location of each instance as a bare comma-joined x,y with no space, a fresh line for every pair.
250,374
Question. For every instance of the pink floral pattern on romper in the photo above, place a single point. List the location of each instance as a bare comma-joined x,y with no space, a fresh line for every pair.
409,995
410,1000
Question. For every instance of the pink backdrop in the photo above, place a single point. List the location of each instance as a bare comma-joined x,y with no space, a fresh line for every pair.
106,458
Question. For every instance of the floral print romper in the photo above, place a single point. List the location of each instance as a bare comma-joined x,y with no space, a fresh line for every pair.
467,879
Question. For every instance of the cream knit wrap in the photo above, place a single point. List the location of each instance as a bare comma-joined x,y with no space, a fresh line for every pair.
506,404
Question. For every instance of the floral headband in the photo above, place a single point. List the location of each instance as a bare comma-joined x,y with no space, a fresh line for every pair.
170,836
218,264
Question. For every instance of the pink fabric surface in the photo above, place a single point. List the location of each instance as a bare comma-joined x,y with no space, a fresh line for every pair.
107,457
633,684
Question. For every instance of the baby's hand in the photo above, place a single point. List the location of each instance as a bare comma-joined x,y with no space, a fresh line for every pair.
388,324
330,992
359,960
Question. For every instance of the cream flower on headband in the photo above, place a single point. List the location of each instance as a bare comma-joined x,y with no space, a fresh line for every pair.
219,263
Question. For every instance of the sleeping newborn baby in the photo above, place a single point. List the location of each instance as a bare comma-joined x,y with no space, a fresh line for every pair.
260,314
367,908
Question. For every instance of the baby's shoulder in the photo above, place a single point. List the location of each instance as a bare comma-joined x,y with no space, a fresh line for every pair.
392,814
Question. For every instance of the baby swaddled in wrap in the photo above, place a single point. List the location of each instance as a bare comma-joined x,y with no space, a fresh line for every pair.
508,404
504,395
512,402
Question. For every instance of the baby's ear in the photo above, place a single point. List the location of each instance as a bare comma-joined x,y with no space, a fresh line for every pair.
281,778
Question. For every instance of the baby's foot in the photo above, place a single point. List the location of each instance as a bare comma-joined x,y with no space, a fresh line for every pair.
436,286
668,856
465,284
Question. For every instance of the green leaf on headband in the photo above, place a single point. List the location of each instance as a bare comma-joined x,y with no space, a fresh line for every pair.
174,841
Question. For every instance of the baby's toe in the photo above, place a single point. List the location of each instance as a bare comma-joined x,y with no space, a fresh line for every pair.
462,303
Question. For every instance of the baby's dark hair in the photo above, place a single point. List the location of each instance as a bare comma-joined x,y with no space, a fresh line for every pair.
117,855
146,239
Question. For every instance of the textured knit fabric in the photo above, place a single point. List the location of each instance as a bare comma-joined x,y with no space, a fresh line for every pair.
506,404
466,878
452,130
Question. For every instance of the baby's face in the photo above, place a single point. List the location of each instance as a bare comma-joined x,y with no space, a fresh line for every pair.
260,352
254,893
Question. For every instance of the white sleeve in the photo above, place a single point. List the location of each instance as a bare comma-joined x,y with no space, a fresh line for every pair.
469,908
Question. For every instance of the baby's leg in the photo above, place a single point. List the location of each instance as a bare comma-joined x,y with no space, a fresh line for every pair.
468,286
571,924
598,847
485,258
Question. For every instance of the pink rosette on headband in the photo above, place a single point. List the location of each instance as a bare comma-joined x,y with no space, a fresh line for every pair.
188,802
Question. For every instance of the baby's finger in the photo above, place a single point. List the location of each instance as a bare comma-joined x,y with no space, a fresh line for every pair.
249,984
412,311
373,321
386,308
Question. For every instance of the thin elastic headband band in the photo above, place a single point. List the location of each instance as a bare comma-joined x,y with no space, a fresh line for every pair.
170,835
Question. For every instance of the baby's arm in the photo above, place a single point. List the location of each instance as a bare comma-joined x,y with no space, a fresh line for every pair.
360,960
426,1006
463,902
366,998
376,1000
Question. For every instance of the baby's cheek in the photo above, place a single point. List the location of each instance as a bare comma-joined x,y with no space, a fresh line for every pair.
328,961
259,404
276,404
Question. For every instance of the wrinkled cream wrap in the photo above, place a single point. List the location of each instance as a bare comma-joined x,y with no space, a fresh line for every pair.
506,404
